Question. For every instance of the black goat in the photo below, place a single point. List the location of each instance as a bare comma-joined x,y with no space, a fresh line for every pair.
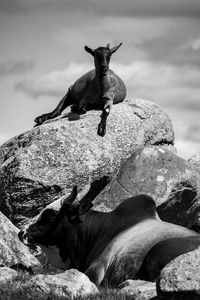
97,89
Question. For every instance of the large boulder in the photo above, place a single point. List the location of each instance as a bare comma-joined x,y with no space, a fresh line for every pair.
180,279
159,172
38,166
12,252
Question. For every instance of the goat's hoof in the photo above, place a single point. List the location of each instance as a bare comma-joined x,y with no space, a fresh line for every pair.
38,121
41,119
82,110
74,108
101,130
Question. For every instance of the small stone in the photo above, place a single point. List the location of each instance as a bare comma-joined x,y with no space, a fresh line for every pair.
71,284
139,289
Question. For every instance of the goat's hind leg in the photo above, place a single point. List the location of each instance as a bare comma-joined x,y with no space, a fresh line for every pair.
65,102
81,107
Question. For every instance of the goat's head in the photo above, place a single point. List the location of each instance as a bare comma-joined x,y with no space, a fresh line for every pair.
102,57
46,229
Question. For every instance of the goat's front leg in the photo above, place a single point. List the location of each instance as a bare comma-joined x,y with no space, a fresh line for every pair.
65,102
102,125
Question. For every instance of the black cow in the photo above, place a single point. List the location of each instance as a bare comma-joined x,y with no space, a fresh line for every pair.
105,246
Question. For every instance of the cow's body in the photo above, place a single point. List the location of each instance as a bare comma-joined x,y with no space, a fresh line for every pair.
108,246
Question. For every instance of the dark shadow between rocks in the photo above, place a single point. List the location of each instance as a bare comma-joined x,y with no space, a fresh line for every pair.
177,209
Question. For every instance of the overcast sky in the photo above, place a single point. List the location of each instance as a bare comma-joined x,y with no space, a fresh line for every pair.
42,53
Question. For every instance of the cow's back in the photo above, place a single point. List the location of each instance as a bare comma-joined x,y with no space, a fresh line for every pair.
126,252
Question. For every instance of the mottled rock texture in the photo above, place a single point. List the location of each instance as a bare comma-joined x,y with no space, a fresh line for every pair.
12,252
138,289
40,165
195,160
157,171
7,274
69,284
180,279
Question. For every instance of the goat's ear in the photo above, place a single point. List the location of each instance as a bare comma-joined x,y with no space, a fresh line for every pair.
89,50
114,49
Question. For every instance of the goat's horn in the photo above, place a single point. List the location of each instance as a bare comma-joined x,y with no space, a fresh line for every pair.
108,46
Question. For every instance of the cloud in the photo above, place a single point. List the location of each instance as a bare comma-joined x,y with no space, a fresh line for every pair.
186,149
167,85
3,138
192,133
136,8
194,45
175,46
54,83
11,67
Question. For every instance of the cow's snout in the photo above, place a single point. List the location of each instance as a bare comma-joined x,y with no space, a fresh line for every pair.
24,237
21,235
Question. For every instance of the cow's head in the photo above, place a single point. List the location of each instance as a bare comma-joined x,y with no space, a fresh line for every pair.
65,213
46,230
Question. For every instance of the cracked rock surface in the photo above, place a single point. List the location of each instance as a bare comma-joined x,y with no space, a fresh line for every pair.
159,172
40,165
13,253
180,279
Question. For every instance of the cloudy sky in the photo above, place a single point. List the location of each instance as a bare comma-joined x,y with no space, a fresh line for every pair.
41,54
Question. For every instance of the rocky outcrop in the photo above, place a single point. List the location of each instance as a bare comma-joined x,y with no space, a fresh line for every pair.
180,279
45,162
12,252
7,274
137,289
159,172
70,284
